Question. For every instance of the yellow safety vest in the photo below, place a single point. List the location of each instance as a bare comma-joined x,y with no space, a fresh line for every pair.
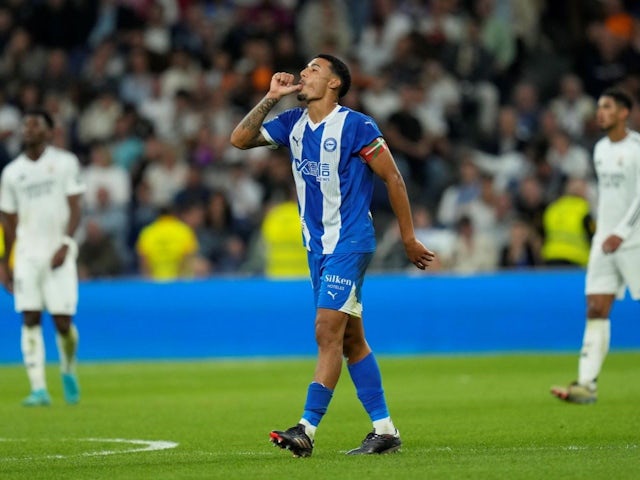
565,234
282,235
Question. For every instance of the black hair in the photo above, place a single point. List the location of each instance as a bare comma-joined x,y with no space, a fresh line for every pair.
619,96
42,113
341,70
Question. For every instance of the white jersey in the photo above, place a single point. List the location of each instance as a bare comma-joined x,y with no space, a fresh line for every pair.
617,166
37,192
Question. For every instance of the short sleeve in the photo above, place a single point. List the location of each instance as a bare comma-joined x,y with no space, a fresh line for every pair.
366,131
277,130
74,183
8,201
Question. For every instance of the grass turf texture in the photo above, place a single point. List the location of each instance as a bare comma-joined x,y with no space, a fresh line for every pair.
460,417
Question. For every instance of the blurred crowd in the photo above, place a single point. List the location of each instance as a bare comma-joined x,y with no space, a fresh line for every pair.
488,106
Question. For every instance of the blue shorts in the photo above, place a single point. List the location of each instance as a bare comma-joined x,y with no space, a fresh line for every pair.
337,280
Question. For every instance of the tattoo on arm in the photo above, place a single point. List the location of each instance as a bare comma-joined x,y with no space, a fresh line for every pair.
253,121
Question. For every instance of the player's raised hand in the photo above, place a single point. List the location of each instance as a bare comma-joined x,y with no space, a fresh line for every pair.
282,84
418,254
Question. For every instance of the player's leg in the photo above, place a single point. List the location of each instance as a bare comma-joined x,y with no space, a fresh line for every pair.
596,338
603,283
61,298
299,438
366,376
67,343
28,300
33,355
329,326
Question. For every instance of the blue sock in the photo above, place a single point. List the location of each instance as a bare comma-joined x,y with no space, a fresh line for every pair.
368,381
318,398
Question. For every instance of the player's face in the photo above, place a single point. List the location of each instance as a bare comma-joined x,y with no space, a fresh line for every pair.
314,79
34,131
610,114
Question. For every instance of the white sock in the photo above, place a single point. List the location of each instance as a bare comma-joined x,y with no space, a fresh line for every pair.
309,429
385,426
32,345
67,348
595,346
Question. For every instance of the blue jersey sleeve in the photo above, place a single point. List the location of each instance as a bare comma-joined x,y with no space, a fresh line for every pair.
279,128
366,131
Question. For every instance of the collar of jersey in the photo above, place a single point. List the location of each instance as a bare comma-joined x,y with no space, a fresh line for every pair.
313,126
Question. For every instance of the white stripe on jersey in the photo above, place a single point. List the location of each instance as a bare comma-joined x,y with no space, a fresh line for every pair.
330,187
296,150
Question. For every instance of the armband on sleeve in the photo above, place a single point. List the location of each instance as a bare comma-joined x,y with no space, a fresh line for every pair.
374,149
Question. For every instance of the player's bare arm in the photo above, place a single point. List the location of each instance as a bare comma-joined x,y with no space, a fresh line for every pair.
9,225
382,163
75,212
247,132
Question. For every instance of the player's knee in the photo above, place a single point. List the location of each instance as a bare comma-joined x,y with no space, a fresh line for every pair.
353,346
31,319
63,323
596,309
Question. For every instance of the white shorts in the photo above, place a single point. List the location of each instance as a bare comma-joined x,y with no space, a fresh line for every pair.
612,273
38,287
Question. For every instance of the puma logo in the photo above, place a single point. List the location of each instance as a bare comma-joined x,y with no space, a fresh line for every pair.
332,294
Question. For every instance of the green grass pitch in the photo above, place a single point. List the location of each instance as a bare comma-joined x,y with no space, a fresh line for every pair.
471,417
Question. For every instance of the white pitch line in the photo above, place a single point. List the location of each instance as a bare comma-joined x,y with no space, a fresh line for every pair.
568,448
144,446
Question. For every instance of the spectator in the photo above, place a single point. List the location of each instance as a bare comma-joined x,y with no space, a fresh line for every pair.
567,160
98,122
167,248
194,215
377,43
10,122
102,174
390,252
322,22
568,227
572,106
473,252
474,67
459,195
281,234
98,255
530,202
522,249
136,86
166,175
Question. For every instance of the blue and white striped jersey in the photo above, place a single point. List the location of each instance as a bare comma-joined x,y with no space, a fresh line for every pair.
334,184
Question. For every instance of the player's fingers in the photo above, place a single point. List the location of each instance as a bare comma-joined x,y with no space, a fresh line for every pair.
283,78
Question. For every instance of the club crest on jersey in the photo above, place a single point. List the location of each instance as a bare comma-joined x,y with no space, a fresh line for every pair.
330,144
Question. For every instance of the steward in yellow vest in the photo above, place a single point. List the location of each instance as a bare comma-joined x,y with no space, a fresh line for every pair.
568,227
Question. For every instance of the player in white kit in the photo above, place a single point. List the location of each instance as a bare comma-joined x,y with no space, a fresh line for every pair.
614,261
40,195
